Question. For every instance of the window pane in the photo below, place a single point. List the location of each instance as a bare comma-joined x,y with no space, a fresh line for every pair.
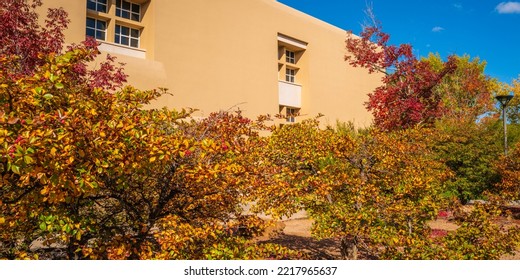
118,29
125,30
118,12
100,35
91,22
102,8
289,56
135,33
136,8
125,14
100,24
135,17
134,43
91,32
116,39
126,5
91,5
124,41
118,3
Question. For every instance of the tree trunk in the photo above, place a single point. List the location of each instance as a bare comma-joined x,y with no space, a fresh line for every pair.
349,248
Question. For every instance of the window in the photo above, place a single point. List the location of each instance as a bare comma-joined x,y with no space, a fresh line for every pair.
128,10
127,36
291,114
289,57
289,75
119,25
97,5
96,28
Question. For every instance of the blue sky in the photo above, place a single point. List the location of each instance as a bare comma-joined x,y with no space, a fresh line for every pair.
488,29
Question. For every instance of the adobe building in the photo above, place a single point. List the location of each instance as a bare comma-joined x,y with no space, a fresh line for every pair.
259,56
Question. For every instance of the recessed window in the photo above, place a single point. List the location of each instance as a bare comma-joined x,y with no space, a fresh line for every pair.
289,75
291,114
127,36
97,5
289,57
128,10
96,28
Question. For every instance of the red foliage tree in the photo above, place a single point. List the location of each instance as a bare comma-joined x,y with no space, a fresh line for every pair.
22,37
25,44
406,97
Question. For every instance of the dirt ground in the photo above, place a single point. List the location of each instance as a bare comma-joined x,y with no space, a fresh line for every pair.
295,233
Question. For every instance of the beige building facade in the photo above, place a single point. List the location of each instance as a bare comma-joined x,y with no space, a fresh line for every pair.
259,56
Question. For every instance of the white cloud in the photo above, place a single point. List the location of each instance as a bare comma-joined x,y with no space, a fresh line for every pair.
457,6
437,29
508,8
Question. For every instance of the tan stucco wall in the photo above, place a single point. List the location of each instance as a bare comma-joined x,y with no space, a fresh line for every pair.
216,54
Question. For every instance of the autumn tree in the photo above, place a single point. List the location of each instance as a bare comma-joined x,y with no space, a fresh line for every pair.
87,172
468,126
509,170
375,191
467,92
23,40
513,107
407,96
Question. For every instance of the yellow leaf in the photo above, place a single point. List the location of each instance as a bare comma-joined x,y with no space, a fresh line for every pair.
152,159
2,220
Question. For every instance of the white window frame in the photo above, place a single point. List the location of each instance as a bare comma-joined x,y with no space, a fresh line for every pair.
118,37
132,15
290,75
96,29
98,4
290,56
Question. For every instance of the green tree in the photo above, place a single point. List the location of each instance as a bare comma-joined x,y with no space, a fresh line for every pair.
469,150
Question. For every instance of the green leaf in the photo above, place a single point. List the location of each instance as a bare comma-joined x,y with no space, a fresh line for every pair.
28,159
15,169
48,96
43,226
59,85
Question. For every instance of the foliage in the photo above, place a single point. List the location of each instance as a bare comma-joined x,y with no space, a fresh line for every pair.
481,235
292,161
23,40
513,108
509,170
374,190
377,192
469,150
407,96
466,92
87,171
